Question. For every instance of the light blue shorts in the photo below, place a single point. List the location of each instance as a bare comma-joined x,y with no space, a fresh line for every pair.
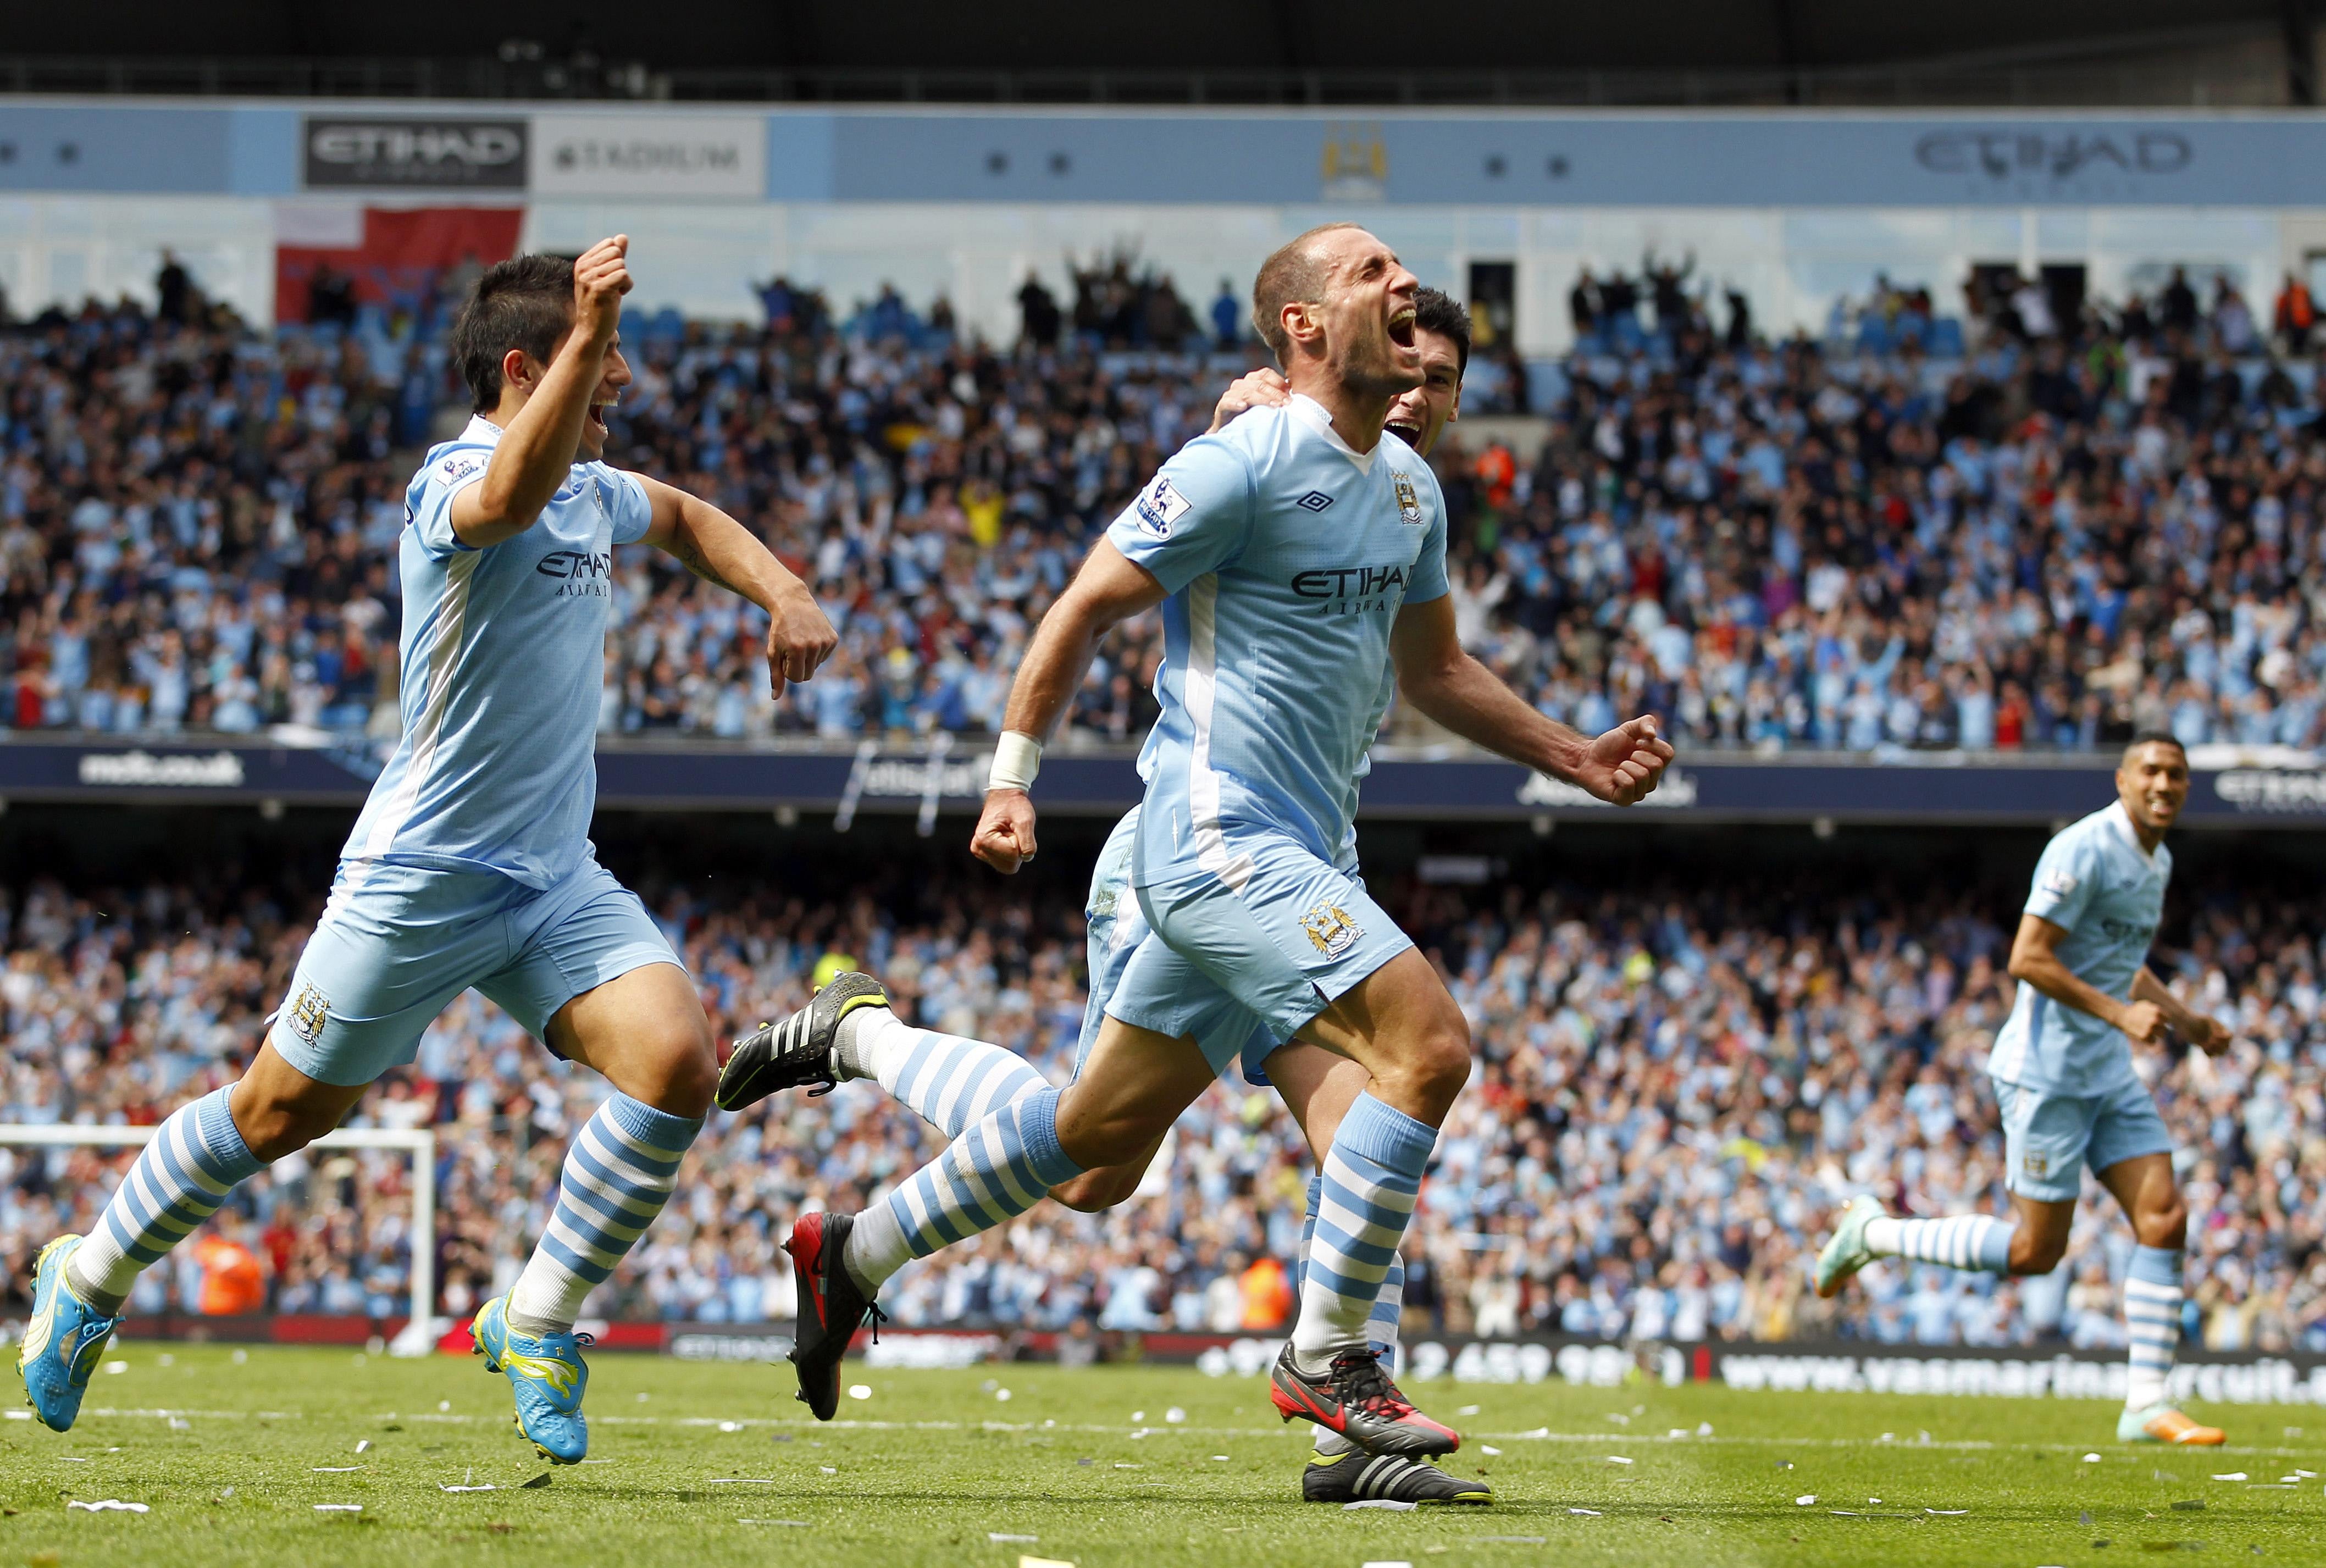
397,943
2048,1139
1224,1027
1297,934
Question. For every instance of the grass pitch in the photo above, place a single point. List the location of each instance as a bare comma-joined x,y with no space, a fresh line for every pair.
701,1465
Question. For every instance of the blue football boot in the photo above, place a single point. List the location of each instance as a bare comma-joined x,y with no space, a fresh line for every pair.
62,1342
547,1376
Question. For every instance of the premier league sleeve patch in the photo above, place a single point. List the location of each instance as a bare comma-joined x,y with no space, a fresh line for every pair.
1159,506
2058,882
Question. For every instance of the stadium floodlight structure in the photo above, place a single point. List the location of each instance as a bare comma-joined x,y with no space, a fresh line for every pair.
418,1335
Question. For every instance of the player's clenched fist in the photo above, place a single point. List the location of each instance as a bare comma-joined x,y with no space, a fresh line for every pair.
2209,1035
2144,1021
800,637
1004,839
1624,764
601,276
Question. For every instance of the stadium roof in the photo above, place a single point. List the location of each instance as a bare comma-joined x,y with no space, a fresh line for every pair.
2067,51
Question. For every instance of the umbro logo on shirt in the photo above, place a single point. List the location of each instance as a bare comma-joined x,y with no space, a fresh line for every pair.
1313,501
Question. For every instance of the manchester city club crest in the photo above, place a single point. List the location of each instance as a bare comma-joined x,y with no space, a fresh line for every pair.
1328,925
1409,499
307,1012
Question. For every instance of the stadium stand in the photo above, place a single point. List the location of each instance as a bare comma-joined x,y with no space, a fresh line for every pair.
1746,1055
2031,542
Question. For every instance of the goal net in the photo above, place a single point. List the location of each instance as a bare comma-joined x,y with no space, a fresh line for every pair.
420,1331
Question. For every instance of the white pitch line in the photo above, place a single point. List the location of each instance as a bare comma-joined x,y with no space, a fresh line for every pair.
1534,1434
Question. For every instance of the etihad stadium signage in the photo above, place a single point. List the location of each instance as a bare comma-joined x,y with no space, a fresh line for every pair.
651,155
407,152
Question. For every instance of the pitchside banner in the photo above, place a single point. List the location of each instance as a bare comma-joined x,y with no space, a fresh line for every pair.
1727,787
1843,1366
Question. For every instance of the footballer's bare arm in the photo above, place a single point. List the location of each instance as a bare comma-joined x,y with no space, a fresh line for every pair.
2035,958
1443,681
1109,589
719,550
538,442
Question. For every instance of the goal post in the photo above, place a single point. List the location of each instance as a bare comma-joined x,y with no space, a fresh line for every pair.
418,1336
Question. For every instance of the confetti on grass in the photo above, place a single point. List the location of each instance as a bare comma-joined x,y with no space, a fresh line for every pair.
106,1506
1391,1504
339,1507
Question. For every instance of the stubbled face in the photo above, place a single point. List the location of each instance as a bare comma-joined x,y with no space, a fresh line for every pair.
1367,314
2153,782
611,379
1420,414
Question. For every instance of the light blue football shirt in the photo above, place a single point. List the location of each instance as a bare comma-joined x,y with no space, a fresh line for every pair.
1287,555
2098,883
503,657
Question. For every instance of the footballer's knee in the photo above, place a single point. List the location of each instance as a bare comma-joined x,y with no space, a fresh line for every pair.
1433,1066
2163,1226
2033,1254
685,1071
274,1125
1095,1192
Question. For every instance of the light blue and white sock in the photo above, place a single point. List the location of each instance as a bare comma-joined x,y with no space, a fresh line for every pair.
1372,1176
949,1082
617,1176
195,1160
2152,1322
1382,1328
1972,1241
992,1171
1389,1307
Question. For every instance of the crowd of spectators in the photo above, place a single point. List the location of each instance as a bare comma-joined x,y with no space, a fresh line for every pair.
1676,1084
2050,542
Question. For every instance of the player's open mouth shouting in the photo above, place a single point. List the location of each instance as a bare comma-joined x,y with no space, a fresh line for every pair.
1400,327
593,422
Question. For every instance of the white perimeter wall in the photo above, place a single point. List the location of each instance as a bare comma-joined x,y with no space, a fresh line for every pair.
704,258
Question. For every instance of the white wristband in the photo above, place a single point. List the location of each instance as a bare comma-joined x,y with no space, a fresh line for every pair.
1016,758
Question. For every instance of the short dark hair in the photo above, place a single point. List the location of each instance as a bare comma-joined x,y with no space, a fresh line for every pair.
1436,310
524,302
1289,276
2155,737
